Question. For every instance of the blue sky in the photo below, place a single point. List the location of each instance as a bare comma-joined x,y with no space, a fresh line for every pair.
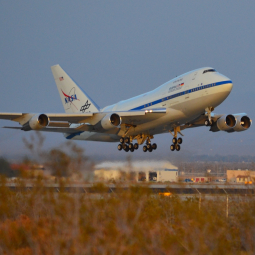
119,49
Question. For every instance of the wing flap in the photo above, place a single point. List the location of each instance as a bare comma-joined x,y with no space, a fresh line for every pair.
70,117
56,130
140,117
59,124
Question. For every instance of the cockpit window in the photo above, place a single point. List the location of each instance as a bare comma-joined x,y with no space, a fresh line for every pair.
209,70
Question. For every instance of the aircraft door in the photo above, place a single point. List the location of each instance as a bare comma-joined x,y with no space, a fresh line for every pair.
187,92
194,76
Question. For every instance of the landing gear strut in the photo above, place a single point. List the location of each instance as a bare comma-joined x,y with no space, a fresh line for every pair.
208,111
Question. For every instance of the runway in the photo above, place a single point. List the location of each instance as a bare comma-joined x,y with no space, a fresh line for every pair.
173,188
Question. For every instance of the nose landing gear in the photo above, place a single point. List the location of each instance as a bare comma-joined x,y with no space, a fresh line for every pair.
208,111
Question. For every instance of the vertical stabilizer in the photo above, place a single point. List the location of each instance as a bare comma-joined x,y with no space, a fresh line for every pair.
74,99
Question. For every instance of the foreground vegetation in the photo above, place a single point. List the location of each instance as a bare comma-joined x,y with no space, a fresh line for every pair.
136,221
39,221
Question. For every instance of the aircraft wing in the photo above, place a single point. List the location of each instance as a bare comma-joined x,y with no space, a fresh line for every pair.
22,118
200,121
60,122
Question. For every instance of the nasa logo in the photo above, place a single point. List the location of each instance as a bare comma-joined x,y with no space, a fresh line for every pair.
69,98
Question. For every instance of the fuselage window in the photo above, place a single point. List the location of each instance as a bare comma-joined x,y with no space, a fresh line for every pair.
209,70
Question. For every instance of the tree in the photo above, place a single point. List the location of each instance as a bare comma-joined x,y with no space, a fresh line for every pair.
5,168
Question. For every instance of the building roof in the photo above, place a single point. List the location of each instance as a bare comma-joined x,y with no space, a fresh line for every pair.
242,176
141,165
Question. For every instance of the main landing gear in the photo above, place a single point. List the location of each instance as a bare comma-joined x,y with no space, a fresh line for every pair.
176,144
149,147
127,145
176,141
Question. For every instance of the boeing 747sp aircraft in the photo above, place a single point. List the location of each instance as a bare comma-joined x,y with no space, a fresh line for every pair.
186,101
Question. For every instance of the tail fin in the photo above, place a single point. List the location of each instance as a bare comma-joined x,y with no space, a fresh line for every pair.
74,99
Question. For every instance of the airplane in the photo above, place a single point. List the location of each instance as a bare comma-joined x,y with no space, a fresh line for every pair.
187,101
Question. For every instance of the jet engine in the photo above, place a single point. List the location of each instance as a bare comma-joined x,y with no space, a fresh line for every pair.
110,121
37,122
243,122
226,123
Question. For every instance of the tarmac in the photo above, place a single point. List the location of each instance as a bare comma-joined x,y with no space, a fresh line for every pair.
173,188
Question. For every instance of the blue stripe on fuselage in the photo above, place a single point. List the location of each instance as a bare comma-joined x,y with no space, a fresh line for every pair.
181,94
74,134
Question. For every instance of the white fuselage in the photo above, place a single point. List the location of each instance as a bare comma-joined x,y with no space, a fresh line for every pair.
185,98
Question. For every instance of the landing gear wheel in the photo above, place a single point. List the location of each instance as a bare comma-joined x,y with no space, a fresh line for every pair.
119,147
172,147
154,146
174,140
179,141
127,140
122,140
177,147
127,149
148,146
207,123
150,150
136,146
131,146
144,148
132,150
124,146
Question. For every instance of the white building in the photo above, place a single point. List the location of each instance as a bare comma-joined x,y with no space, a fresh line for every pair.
232,175
155,171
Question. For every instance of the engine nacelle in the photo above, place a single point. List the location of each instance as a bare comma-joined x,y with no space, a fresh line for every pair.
226,122
110,121
37,122
243,122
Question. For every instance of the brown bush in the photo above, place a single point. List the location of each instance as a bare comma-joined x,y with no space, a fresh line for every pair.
40,221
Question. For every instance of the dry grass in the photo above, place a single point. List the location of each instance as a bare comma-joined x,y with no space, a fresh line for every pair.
40,221
132,222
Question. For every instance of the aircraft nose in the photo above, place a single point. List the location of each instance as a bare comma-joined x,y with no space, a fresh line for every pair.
228,86
226,82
